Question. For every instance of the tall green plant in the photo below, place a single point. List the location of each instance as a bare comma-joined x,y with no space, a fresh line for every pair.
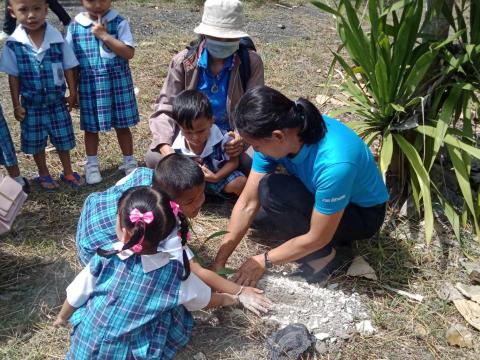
400,87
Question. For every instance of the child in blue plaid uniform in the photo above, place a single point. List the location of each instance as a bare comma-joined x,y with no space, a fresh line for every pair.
103,43
8,157
37,61
127,303
202,140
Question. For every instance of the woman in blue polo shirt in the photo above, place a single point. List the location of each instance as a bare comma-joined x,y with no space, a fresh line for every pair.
333,193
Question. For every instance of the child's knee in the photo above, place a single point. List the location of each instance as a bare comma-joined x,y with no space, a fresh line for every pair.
236,186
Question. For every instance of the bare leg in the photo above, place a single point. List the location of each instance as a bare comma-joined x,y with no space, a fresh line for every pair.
125,140
91,143
236,186
66,162
13,171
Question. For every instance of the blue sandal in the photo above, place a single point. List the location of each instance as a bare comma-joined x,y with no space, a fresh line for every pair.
75,181
47,183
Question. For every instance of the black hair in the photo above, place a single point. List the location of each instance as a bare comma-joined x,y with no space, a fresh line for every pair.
190,105
176,173
145,199
262,110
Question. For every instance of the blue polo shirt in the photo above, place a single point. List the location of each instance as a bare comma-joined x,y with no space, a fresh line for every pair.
338,169
218,98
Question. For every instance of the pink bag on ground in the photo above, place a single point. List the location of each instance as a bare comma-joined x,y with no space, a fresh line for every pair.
12,198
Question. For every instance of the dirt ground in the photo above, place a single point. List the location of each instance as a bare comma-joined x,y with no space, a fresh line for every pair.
38,259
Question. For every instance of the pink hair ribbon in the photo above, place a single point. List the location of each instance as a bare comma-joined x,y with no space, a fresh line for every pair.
175,208
146,218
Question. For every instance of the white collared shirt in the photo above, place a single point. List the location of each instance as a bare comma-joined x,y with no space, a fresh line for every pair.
194,293
124,34
8,61
215,137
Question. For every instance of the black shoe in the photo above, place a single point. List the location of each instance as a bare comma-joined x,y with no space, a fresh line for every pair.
343,258
25,186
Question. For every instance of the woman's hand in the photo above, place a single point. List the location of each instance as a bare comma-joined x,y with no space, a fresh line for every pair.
250,271
254,300
236,146
19,113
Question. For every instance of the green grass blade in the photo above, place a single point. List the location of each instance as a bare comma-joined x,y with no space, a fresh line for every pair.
216,234
386,154
449,211
463,181
423,179
326,8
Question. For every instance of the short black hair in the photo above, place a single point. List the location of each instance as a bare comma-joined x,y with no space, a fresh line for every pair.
262,110
176,173
190,105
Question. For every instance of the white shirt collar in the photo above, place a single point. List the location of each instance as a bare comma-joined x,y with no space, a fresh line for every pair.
52,36
165,249
84,19
214,138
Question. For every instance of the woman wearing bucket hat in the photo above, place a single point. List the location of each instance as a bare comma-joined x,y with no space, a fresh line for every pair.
212,65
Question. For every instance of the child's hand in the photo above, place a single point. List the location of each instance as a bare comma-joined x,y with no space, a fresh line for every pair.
209,175
60,322
99,29
254,300
72,100
19,113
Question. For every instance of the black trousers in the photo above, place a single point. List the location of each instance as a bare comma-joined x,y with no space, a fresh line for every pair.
10,23
286,208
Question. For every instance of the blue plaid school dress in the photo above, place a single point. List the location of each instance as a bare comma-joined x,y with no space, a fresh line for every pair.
214,162
131,314
107,97
8,157
42,90
96,226
215,159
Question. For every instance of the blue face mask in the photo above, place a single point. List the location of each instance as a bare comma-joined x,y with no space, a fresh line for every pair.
221,49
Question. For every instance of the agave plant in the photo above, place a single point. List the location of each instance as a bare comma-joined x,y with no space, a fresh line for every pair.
406,92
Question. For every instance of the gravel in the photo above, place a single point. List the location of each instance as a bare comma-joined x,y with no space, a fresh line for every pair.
329,314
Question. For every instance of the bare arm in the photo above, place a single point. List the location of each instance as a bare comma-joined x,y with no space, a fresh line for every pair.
71,78
65,314
14,83
243,214
18,110
117,46
213,280
221,174
322,229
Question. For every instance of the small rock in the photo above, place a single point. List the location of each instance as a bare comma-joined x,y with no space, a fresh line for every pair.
365,328
214,321
332,286
324,320
321,347
458,335
349,310
333,339
199,356
136,90
281,26
322,336
420,331
289,342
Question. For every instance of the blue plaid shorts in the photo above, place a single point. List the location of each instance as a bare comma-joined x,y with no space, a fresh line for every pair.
219,186
107,100
8,157
45,121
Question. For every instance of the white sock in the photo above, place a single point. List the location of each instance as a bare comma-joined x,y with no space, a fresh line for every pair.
19,179
128,158
92,159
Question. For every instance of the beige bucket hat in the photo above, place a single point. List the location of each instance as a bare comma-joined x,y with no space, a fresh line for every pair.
222,19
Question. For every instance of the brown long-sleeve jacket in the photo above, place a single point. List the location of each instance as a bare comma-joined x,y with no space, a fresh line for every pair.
183,74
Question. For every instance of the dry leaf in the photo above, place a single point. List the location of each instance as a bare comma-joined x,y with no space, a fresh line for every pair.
361,268
470,311
471,292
